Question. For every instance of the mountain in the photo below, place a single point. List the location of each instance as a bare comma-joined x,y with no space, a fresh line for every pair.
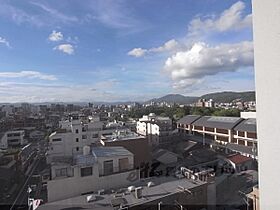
220,97
175,98
227,97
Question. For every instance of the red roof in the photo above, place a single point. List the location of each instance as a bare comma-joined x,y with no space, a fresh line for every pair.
237,158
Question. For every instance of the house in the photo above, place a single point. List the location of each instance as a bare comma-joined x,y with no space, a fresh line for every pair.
239,162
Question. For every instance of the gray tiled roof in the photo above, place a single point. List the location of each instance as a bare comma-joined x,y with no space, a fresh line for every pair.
247,125
218,122
188,119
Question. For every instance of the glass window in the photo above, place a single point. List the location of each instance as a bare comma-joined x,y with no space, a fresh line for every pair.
87,171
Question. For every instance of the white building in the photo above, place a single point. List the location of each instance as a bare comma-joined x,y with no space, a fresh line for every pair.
72,136
98,169
155,127
12,139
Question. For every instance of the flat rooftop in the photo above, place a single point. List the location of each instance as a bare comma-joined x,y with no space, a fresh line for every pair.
121,135
218,122
163,187
110,151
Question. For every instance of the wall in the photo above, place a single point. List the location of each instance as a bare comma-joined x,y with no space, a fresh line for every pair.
266,16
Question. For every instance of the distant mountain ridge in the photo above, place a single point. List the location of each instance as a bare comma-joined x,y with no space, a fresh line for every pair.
220,97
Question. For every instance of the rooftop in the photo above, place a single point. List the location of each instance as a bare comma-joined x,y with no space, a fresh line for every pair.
249,125
163,187
123,134
188,119
110,151
218,122
238,159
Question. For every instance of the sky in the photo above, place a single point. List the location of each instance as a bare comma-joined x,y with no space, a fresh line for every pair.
123,50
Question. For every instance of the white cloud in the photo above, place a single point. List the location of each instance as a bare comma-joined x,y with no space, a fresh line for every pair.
137,52
4,41
56,36
27,74
168,46
230,19
188,68
66,48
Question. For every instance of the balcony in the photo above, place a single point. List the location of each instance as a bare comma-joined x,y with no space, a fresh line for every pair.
116,170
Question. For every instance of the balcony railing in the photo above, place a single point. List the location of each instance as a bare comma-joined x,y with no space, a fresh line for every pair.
116,170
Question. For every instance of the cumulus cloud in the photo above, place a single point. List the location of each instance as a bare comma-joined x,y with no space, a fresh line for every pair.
65,48
189,67
56,36
137,52
170,45
27,74
4,41
230,19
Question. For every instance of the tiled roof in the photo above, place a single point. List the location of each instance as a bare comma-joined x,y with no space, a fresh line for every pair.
238,159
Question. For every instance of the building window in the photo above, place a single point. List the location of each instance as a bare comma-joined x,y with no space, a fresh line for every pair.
61,172
84,136
77,139
123,164
54,140
95,135
241,142
251,135
86,171
77,130
241,133
108,167
209,129
77,149
224,131
249,143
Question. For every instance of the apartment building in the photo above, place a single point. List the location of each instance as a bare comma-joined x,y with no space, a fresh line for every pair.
73,135
157,129
97,169
12,139
133,142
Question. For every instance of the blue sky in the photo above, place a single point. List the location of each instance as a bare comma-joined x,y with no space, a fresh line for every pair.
118,50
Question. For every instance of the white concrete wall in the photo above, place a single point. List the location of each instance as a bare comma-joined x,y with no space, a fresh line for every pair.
75,186
266,25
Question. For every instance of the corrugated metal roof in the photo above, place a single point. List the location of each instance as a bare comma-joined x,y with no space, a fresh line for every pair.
247,125
218,122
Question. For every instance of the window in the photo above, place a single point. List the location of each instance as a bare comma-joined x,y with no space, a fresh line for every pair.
77,130
58,139
86,171
241,133
61,172
123,164
251,135
209,129
224,131
77,149
108,167
84,136
77,139
95,135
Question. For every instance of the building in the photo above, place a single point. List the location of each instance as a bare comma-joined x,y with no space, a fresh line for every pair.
186,191
73,135
229,133
240,163
218,129
97,169
157,129
133,142
12,139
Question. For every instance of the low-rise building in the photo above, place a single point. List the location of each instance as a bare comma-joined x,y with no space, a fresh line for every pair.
98,169
12,139
157,129
135,143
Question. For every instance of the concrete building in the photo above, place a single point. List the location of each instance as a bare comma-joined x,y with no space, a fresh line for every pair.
266,30
157,129
187,191
72,136
240,163
135,143
12,139
97,169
